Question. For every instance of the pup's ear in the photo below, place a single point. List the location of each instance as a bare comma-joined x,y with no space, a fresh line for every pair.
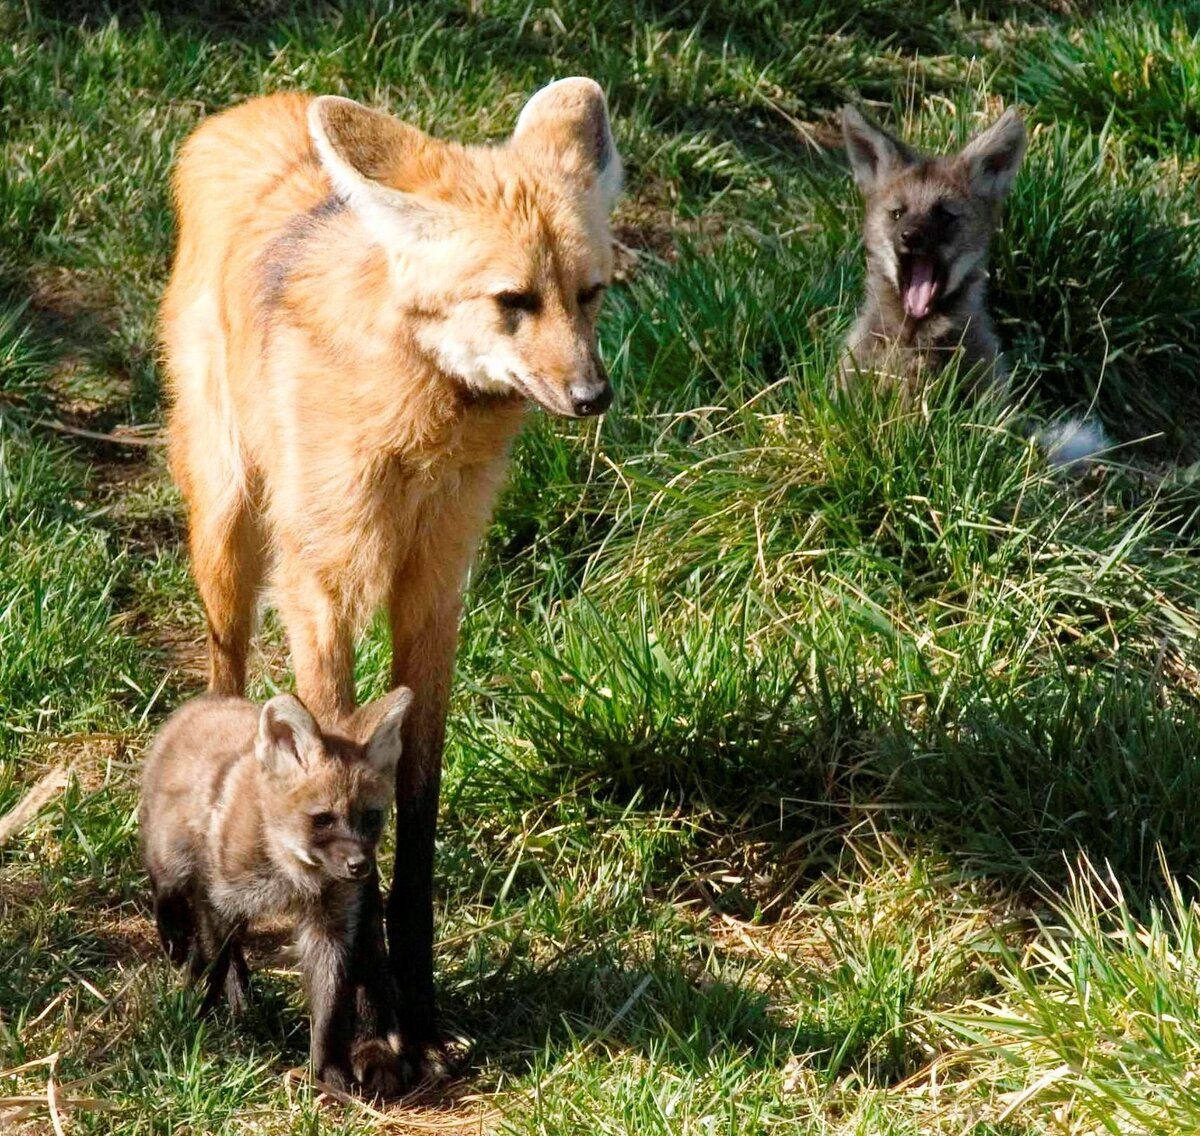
380,724
991,159
567,122
288,742
874,154
376,164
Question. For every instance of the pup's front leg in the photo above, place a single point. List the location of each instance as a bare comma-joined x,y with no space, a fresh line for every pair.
323,947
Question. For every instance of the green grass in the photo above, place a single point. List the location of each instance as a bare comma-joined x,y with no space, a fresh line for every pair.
787,729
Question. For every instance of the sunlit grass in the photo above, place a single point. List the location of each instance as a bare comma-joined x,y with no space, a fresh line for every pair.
776,712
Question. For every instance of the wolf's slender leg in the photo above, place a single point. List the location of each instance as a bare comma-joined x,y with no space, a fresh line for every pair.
423,659
321,636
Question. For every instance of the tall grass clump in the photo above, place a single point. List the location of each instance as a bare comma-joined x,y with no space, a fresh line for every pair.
1132,67
1099,1016
856,597
1098,272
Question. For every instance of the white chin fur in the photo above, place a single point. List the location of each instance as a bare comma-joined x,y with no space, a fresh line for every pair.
483,373
301,853
891,269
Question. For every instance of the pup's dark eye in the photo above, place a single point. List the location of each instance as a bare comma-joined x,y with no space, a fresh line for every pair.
587,295
942,214
518,301
897,213
373,818
323,820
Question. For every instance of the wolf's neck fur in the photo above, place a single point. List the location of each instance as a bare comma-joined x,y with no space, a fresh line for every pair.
888,343
946,326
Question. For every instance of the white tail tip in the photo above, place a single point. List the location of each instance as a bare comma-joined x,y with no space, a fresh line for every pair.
1072,444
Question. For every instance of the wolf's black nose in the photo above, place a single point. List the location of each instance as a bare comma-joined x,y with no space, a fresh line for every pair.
588,399
358,867
911,239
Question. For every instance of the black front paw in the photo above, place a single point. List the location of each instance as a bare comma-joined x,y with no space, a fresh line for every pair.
335,1077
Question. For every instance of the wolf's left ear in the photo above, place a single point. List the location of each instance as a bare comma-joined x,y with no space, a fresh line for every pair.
382,723
991,159
288,742
568,122
874,154
375,163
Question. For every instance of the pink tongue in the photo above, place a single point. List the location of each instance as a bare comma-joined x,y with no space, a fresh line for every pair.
918,295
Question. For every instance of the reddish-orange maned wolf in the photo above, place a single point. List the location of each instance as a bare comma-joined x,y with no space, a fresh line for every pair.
356,317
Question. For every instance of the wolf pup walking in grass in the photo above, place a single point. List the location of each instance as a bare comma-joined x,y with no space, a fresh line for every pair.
249,812
929,222
356,318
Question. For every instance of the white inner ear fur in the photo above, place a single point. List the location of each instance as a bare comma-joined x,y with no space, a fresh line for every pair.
610,175
993,158
391,216
384,746
288,739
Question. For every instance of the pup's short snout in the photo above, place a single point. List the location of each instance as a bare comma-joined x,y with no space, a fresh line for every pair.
358,867
912,240
591,397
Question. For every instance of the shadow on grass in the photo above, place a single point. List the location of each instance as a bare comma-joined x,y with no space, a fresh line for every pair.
1013,784
595,1000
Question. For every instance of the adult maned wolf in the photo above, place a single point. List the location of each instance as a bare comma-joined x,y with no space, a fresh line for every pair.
356,317
929,222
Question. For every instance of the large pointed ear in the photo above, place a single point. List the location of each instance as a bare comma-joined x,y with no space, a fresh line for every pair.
874,154
379,725
991,159
369,156
567,121
288,742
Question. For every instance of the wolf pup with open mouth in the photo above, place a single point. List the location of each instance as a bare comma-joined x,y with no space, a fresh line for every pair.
929,221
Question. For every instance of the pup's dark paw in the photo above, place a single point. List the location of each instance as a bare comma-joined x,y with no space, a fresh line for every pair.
379,1070
434,1062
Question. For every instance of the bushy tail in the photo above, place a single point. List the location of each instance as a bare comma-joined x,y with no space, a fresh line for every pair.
1074,444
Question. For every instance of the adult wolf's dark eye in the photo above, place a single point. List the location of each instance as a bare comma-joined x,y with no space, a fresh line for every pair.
587,295
519,301
323,820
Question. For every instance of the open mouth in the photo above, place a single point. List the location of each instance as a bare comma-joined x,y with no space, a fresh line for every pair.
920,283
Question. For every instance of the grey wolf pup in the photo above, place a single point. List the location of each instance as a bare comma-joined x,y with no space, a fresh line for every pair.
929,222
251,812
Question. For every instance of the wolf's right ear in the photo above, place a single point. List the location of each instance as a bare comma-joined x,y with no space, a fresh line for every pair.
874,154
369,156
385,720
567,121
991,159
288,742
